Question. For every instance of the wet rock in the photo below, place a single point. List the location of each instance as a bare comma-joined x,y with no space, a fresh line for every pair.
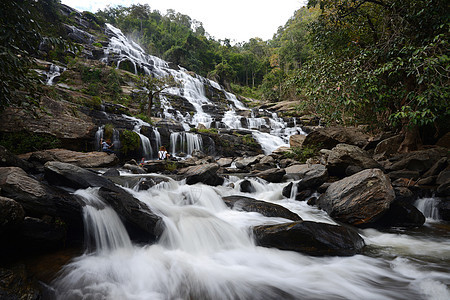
245,162
134,169
11,215
401,213
343,156
329,137
360,199
408,174
8,159
111,173
444,209
80,159
206,174
141,222
246,186
271,175
317,239
267,209
15,284
42,234
312,176
37,198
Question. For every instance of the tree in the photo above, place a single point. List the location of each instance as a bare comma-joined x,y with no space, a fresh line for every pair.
154,86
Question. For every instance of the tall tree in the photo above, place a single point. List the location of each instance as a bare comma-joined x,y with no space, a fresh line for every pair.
153,87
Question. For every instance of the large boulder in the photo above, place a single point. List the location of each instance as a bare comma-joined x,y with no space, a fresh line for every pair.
265,208
311,176
329,137
347,159
388,147
246,162
135,212
359,200
317,239
271,175
420,161
296,140
401,213
37,198
206,174
80,159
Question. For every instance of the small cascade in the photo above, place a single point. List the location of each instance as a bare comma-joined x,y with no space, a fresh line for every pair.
429,208
158,142
116,140
255,123
104,230
231,120
98,138
53,72
185,142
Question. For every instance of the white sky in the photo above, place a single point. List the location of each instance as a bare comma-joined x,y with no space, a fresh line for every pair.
238,20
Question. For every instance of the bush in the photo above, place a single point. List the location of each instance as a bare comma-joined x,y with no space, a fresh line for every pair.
23,142
301,154
130,141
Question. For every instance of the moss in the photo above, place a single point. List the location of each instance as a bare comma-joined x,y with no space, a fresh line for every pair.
170,166
108,131
249,140
130,141
97,45
23,142
302,154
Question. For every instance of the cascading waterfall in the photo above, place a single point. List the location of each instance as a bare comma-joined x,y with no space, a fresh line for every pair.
185,142
53,72
98,138
157,138
206,252
428,207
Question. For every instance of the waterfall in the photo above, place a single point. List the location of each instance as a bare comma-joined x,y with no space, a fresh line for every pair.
98,138
185,142
231,120
157,138
428,207
104,230
53,72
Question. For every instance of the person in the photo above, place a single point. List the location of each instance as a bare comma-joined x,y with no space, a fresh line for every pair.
162,153
142,162
106,146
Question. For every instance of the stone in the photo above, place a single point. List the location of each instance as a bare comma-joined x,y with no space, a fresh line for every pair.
360,199
8,159
388,147
343,155
296,140
224,161
16,283
311,238
311,176
267,209
246,186
11,215
134,169
244,162
401,213
206,174
444,141
420,161
272,175
80,159
329,137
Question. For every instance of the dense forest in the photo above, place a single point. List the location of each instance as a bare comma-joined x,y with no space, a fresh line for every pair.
384,63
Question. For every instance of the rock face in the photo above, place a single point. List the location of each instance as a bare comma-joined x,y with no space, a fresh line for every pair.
202,173
347,159
329,137
317,239
80,159
265,208
136,213
360,199
58,120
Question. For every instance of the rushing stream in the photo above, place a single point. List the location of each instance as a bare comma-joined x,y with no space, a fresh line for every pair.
207,252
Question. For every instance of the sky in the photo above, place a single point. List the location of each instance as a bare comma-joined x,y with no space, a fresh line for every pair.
237,20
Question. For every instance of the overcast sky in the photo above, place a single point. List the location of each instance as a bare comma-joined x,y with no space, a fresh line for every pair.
238,20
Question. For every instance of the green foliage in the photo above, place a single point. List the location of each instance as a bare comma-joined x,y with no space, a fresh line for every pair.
129,141
301,154
153,87
23,142
108,131
249,140
170,166
205,130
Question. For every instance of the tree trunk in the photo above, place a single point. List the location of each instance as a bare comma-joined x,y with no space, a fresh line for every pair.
412,140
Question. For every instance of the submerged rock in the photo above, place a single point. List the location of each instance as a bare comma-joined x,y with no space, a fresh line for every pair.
317,239
359,200
265,208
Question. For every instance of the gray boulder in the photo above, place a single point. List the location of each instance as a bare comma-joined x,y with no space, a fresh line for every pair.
265,208
311,176
358,200
271,175
344,158
329,137
206,174
311,238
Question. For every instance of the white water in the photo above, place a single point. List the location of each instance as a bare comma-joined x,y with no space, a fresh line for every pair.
428,207
185,142
192,88
206,252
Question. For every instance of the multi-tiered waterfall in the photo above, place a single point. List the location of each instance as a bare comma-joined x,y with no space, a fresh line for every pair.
192,89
